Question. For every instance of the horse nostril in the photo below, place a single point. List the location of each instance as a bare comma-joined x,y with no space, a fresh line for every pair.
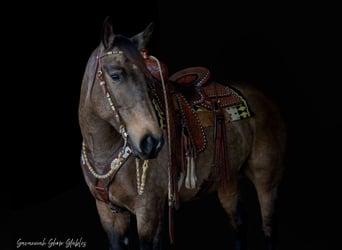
150,146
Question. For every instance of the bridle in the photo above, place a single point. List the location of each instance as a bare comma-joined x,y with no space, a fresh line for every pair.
125,150
99,76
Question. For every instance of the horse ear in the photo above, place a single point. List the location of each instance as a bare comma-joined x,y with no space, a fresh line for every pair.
107,33
141,39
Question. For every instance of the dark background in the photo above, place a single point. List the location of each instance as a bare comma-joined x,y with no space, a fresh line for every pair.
289,50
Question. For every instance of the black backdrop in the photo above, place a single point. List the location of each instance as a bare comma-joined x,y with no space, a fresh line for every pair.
288,50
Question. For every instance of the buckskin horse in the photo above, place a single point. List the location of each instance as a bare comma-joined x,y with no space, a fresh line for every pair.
152,141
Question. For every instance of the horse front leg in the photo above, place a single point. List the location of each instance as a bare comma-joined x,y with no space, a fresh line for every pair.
150,226
116,226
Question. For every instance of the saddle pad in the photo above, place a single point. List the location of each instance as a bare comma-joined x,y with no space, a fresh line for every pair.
229,100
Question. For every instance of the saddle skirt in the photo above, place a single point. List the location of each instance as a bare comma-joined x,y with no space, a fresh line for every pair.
198,100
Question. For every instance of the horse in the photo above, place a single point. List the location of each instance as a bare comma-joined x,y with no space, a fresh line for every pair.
132,157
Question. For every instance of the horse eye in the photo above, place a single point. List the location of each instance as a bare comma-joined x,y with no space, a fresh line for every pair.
116,77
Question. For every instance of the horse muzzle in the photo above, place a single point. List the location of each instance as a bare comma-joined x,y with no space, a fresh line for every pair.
149,147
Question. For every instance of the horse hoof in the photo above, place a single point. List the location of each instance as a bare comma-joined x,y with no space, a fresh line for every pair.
268,243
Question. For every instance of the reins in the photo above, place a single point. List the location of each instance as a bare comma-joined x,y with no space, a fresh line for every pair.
172,192
168,126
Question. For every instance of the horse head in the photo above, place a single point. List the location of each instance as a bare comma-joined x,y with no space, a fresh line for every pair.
117,93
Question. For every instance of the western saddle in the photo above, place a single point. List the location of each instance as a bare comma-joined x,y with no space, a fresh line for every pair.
195,102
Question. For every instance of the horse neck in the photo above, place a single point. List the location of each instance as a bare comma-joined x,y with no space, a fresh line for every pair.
101,140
